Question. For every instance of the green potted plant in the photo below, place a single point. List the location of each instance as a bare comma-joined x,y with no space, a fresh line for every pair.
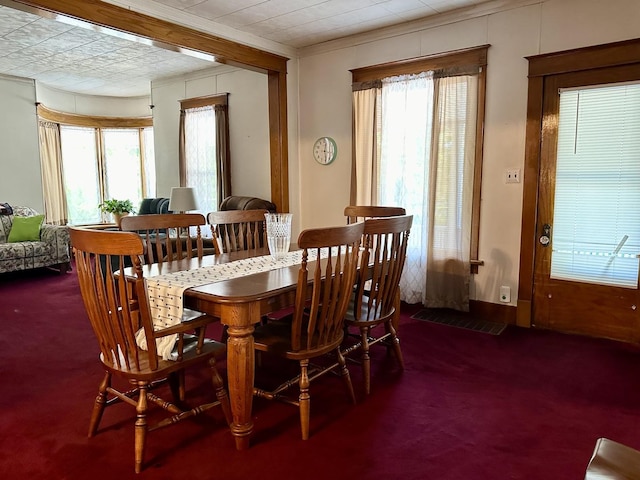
118,208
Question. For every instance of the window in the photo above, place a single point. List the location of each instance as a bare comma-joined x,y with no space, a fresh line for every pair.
204,153
81,177
96,160
418,145
99,164
596,234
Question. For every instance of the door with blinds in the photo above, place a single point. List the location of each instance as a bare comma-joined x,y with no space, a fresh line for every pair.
588,222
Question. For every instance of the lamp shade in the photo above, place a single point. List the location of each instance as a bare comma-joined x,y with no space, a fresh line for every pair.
182,199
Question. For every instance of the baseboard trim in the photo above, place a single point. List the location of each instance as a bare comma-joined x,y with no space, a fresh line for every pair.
493,312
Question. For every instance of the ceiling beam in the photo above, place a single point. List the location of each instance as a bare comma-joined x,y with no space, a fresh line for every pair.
129,21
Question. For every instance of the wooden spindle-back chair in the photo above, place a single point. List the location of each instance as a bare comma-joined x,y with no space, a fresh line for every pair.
235,230
116,303
377,294
168,236
316,326
358,213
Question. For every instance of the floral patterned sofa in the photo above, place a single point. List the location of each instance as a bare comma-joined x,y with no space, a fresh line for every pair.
51,251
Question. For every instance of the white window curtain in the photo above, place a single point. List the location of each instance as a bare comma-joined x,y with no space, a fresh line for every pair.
200,156
364,175
405,147
451,193
426,141
55,200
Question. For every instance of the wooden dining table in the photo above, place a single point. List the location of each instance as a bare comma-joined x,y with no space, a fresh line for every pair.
239,303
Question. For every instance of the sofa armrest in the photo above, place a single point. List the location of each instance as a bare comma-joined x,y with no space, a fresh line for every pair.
58,237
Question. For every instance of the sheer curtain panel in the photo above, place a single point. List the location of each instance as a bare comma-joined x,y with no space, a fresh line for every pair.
415,148
55,200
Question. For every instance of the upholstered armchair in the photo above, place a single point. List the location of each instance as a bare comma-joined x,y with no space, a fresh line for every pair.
153,206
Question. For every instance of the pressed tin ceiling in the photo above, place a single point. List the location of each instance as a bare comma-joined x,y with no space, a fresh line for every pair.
72,57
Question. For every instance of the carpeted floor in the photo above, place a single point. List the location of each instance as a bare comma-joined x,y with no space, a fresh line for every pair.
525,404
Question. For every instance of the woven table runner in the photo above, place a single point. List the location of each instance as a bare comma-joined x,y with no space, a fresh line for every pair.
165,292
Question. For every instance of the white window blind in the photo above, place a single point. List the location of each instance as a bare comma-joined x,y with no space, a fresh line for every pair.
596,225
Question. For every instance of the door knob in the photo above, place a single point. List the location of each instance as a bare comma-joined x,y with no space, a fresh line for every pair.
545,238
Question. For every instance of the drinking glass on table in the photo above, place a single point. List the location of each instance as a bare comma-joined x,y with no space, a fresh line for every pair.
278,234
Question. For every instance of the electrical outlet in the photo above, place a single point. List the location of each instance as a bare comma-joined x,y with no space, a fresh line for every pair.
505,294
512,175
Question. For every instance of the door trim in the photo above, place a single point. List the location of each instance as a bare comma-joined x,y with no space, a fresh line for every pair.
540,67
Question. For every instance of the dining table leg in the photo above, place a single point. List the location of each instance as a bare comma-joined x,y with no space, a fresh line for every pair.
240,369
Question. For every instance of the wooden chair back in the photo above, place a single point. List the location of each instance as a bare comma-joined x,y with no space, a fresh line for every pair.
116,306
235,230
357,213
384,254
166,237
324,287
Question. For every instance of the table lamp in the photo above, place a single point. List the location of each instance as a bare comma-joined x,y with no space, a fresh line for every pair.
182,199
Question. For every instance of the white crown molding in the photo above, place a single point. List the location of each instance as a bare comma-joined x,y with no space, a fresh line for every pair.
180,17
13,78
413,26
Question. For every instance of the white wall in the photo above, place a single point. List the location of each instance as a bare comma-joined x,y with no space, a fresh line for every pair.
20,180
248,126
92,104
528,28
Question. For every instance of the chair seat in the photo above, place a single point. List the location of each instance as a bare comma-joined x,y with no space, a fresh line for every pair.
367,317
210,348
612,461
275,337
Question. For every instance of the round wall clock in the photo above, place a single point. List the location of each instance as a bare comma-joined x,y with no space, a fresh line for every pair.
325,150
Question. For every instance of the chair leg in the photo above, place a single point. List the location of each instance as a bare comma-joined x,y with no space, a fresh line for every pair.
304,398
141,426
344,373
395,343
99,405
221,392
366,359
176,383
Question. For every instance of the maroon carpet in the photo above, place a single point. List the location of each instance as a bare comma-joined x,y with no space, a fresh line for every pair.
526,404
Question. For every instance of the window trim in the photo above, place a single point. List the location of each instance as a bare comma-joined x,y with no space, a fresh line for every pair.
209,100
468,60
95,121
